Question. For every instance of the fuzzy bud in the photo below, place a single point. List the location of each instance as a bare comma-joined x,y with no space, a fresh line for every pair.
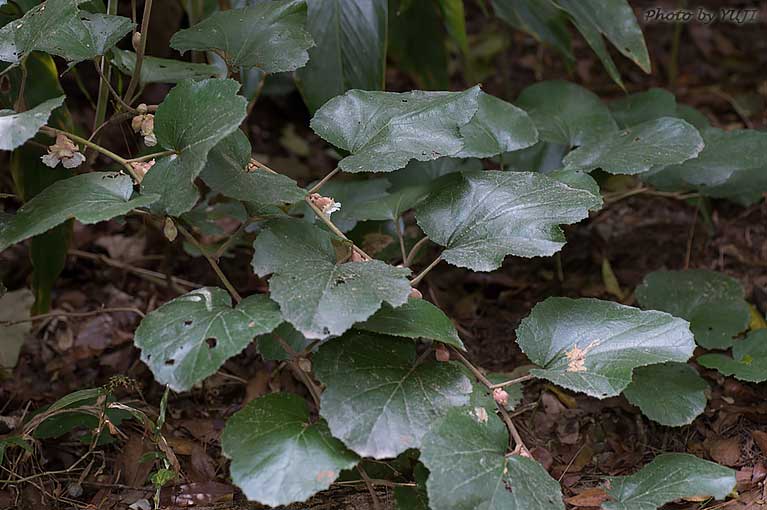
501,396
415,294
441,353
136,40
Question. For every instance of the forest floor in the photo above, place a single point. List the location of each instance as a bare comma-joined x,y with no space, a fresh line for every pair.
580,440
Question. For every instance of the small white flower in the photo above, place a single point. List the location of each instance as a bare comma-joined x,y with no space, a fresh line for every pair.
331,208
76,160
144,124
150,140
64,151
325,204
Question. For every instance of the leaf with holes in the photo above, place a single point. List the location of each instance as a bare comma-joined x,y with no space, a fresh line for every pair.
89,198
162,70
268,35
378,399
189,338
278,455
668,477
415,319
593,346
748,361
192,119
566,113
658,142
672,394
469,468
713,303
487,215
317,295
383,131
17,128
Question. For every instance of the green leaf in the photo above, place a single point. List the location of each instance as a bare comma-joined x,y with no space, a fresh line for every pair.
693,116
5,442
713,303
672,394
497,127
593,346
350,51
103,32
17,128
267,35
269,345
668,477
541,19
488,215
192,119
566,113
278,456
663,141
355,197
413,498
162,70
454,18
383,131
377,400
748,361
544,157
415,319
317,295
636,108
469,469
89,198
14,306
189,338
226,172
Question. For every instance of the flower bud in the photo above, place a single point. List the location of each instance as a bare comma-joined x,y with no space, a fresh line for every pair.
501,396
415,294
441,353
136,40
64,151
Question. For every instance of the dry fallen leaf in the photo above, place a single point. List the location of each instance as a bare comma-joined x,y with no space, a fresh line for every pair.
724,451
593,497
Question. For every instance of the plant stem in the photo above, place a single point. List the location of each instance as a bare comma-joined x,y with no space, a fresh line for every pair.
522,379
369,484
415,281
316,187
151,156
314,390
135,78
324,218
106,152
401,238
414,250
74,314
216,268
104,69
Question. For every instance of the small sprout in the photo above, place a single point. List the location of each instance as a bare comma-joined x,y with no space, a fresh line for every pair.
142,167
325,204
441,353
501,396
144,123
65,151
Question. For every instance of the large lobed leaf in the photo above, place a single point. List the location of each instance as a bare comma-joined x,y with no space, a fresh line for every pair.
593,346
487,215
89,198
278,455
189,338
162,70
316,294
17,128
378,400
713,303
267,35
748,361
469,468
192,119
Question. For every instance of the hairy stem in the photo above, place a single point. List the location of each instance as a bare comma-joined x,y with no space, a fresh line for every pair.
316,187
135,78
521,379
216,268
414,251
415,281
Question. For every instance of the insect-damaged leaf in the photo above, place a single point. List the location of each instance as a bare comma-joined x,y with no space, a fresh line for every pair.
672,394
668,477
748,361
487,215
377,400
278,456
469,468
189,338
17,128
316,294
385,130
267,35
593,346
713,303
89,198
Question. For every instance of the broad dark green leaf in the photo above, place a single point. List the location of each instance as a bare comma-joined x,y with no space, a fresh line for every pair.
192,119
278,456
426,172
350,51
543,157
377,400
354,196
413,498
748,361
634,150
162,70
488,215
668,477
593,346
316,294
713,303
566,113
270,347
540,18
693,116
226,172
672,394
497,127
267,35
189,338
636,108
454,18
383,131
89,198
417,318
17,128
469,469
